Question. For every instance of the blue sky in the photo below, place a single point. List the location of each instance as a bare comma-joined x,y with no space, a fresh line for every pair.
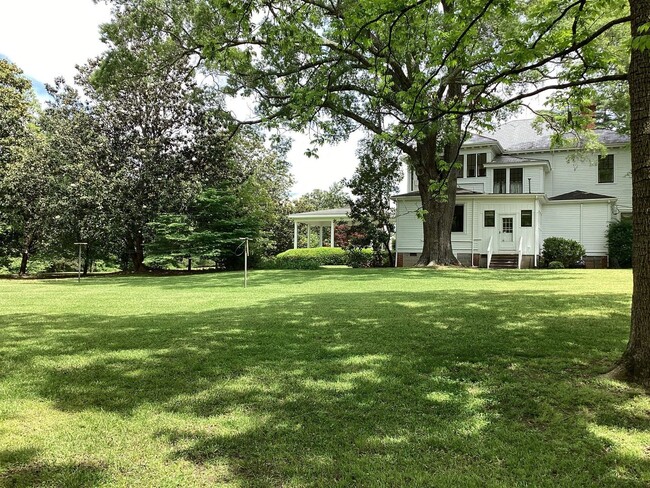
39,87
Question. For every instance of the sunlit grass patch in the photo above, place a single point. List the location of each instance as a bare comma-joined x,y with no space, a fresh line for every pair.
337,377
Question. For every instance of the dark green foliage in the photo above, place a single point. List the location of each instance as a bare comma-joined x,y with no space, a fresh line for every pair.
566,251
16,112
555,265
358,257
619,241
377,178
310,258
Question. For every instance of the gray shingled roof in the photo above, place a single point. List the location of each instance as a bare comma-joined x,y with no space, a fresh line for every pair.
520,135
480,139
508,159
579,195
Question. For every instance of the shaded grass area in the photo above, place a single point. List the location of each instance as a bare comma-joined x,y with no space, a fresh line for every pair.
327,378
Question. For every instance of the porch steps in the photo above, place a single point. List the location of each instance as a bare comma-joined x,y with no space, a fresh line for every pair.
504,261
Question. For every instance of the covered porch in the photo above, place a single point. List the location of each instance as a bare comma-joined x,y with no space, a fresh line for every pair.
322,220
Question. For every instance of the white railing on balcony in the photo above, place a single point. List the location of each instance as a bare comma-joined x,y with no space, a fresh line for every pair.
489,253
521,251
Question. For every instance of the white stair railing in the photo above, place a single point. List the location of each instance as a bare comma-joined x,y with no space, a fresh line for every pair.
521,251
489,253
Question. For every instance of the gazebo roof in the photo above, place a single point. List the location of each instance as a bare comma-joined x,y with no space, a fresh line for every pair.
321,215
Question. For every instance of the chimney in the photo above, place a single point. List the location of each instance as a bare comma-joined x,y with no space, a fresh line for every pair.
589,112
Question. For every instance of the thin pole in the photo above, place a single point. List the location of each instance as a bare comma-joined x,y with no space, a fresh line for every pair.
79,266
246,264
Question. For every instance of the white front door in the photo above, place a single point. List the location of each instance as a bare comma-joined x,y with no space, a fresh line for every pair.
507,233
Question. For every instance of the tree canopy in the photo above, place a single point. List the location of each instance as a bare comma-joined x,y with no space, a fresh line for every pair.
416,72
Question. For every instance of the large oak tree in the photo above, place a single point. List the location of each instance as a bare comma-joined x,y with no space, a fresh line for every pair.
635,363
417,72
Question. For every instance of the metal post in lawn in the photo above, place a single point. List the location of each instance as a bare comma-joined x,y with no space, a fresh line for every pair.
245,243
80,244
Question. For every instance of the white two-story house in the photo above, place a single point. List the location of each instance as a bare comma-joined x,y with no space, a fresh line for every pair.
515,190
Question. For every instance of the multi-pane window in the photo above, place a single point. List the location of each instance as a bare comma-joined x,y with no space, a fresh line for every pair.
499,180
476,165
516,180
606,169
488,218
459,219
526,218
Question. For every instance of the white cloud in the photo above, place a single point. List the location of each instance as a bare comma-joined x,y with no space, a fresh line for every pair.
47,38
333,163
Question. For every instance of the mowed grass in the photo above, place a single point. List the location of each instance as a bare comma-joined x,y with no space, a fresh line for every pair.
338,377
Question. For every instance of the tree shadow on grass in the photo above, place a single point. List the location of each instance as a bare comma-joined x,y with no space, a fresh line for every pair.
399,388
21,467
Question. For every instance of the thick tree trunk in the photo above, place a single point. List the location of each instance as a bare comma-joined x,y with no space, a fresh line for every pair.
23,263
438,208
27,248
86,261
635,363
136,250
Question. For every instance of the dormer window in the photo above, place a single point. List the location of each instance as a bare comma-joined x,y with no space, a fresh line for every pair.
475,164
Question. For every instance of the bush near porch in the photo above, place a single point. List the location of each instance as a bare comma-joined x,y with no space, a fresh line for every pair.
310,258
566,251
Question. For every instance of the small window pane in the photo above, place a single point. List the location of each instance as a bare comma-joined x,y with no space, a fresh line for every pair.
526,218
482,159
459,218
606,169
471,165
488,218
516,180
499,181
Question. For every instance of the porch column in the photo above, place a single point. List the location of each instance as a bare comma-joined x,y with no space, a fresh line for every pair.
308,235
332,233
320,227
295,234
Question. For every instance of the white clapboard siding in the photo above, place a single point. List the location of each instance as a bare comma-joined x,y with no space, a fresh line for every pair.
567,176
408,226
583,222
595,220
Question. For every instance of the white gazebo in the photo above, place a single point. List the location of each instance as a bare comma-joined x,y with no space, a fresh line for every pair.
321,219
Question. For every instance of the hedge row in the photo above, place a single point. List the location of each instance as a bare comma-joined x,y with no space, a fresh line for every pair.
310,258
315,257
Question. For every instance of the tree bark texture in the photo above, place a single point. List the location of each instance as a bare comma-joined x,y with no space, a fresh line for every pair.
27,248
438,209
23,263
136,251
635,363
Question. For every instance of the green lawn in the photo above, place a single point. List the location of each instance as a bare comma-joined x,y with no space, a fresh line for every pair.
338,377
